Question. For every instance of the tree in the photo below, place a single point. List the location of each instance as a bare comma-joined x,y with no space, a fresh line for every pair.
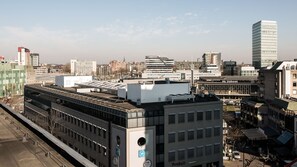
66,68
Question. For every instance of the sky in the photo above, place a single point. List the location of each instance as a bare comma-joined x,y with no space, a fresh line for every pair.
60,30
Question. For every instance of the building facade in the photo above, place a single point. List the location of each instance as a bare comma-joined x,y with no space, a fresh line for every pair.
247,70
264,43
157,64
211,58
229,87
254,113
12,79
278,81
24,57
78,67
35,59
144,124
229,68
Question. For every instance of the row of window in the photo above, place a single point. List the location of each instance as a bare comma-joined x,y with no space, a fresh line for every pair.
83,124
200,151
181,135
181,117
84,140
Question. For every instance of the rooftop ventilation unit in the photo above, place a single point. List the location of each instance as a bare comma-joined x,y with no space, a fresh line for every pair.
180,97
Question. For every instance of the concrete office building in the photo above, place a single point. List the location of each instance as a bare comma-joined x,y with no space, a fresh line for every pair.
229,88
247,70
163,67
211,58
278,81
150,123
157,64
34,59
229,68
264,43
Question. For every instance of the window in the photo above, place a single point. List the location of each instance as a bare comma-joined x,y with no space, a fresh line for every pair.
171,137
216,149
208,150
199,133
95,146
99,149
191,117
90,143
294,91
171,119
199,116
199,151
181,136
171,156
181,154
95,129
208,115
216,114
181,118
207,132
86,126
99,131
294,84
216,131
104,151
191,152
294,76
190,134
104,134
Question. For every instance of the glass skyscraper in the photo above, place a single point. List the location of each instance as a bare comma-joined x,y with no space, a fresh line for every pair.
264,43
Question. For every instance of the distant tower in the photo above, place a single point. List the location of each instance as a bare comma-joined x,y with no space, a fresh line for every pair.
34,59
264,43
24,57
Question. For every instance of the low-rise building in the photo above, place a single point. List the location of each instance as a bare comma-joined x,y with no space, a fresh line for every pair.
229,87
78,67
254,113
279,80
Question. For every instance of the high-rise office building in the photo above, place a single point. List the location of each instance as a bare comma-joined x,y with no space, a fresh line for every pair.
34,59
24,57
264,43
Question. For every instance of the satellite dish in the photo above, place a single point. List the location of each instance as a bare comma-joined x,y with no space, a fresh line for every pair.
202,88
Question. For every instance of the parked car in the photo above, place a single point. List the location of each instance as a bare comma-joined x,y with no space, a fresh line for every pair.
236,154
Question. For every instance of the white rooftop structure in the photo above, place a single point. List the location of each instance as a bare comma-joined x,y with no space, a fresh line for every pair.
71,81
157,91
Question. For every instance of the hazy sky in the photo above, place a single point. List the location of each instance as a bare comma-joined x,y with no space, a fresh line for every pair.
110,30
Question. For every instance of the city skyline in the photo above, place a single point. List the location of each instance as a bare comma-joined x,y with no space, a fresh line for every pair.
105,31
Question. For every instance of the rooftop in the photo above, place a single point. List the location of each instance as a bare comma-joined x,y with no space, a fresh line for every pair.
112,101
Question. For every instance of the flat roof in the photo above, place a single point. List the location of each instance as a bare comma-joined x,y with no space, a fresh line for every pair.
254,134
229,78
112,101
95,98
